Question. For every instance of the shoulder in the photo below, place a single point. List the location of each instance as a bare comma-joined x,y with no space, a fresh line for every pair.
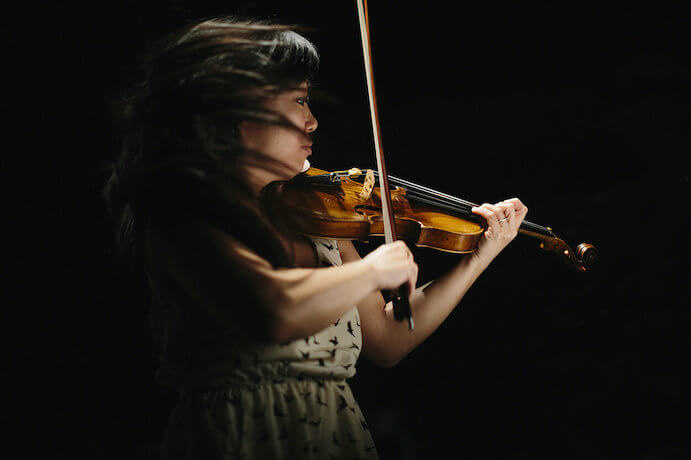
195,244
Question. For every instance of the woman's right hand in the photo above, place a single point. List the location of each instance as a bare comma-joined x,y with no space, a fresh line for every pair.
393,265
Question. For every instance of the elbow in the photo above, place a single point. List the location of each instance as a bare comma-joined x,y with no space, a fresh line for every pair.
292,318
384,361
278,329
267,329
388,364
268,312
277,333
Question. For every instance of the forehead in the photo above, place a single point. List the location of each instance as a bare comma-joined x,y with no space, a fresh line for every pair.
301,89
304,86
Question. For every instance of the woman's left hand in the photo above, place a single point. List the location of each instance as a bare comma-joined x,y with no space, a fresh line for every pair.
503,220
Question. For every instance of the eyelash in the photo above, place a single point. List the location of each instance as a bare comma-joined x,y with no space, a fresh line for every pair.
303,100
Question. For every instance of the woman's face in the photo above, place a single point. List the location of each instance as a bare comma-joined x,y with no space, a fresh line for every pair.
290,147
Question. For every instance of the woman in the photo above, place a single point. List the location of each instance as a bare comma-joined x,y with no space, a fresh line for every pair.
257,328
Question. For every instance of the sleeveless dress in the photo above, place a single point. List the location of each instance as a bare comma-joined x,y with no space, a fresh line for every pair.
245,400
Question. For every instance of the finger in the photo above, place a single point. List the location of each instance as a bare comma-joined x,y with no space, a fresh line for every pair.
518,205
502,212
490,219
499,214
511,219
520,216
409,253
507,211
486,211
403,252
513,223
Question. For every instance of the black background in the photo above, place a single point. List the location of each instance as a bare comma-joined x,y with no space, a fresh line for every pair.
579,109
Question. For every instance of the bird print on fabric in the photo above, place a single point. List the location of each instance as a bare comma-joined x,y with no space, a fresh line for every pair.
290,397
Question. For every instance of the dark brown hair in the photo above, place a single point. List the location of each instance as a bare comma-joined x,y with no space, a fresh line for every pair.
176,120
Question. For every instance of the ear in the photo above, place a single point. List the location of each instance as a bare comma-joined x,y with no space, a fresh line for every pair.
239,131
245,131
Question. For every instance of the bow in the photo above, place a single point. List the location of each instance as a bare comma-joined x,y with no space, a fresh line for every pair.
401,303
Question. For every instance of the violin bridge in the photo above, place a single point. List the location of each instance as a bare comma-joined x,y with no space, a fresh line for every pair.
368,185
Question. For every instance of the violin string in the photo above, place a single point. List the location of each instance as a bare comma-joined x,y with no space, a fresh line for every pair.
407,184
440,204
466,205
435,198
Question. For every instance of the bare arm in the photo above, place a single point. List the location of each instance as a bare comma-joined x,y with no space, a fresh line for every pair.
386,341
292,303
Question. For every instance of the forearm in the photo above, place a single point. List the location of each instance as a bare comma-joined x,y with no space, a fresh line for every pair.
430,306
311,299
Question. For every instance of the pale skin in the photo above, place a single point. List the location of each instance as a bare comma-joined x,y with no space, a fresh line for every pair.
303,301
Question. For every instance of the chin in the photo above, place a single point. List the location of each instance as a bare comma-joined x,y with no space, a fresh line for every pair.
305,166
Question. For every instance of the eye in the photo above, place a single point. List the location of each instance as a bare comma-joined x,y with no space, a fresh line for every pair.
303,100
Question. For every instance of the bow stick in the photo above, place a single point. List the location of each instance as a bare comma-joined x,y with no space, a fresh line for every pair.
401,303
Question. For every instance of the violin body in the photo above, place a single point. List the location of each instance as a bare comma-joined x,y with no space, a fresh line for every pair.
339,210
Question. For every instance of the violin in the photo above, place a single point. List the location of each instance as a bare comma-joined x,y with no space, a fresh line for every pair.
348,205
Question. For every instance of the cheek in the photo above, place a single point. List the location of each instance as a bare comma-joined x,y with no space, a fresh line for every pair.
297,118
252,135
260,137
278,143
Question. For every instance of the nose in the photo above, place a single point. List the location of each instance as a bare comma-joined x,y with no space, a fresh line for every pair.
310,122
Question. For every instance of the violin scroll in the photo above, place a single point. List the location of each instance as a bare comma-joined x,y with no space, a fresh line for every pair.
586,253
581,259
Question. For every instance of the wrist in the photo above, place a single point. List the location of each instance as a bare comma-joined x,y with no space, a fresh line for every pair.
370,274
480,260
